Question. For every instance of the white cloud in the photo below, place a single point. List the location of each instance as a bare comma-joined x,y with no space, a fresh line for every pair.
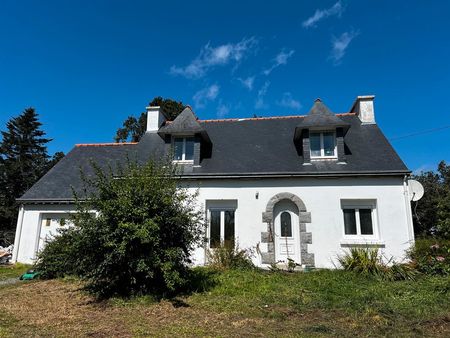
337,9
206,94
210,57
281,59
289,102
222,110
248,82
260,104
340,45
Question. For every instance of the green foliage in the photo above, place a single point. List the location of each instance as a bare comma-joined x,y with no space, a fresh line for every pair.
133,128
368,262
432,213
431,256
23,160
60,256
140,240
229,256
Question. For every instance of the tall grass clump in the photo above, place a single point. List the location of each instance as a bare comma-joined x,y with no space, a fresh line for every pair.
369,262
229,256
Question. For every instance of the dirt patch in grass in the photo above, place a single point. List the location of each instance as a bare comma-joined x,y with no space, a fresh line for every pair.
57,308
240,305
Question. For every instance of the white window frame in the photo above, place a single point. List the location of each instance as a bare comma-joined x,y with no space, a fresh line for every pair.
222,223
356,205
183,155
322,150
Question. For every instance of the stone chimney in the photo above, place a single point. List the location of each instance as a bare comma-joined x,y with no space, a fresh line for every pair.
363,107
155,118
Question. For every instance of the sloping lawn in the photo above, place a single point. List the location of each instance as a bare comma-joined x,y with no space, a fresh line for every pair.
237,303
12,271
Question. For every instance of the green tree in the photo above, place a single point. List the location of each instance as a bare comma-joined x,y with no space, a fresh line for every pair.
140,240
443,206
432,213
133,128
23,160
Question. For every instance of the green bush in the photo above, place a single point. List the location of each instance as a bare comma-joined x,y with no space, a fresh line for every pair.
229,256
59,258
368,261
140,239
431,256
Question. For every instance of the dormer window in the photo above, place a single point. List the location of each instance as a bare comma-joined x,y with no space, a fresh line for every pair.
183,149
323,144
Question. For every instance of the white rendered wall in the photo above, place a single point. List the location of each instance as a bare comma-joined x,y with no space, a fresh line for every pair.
322,197
28,233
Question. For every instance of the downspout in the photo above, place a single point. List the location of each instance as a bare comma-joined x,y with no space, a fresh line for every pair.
408,210
18,234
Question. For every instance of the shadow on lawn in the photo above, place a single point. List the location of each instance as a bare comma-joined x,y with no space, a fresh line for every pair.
200,279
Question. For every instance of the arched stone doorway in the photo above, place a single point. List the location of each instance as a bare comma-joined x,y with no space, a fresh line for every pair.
304,217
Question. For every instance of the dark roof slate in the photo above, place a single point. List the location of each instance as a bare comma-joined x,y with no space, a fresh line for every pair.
320,116
186,122
246,147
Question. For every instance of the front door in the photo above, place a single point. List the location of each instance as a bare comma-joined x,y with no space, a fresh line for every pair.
287,234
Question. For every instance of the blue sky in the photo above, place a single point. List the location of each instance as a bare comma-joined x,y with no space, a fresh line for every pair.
87,65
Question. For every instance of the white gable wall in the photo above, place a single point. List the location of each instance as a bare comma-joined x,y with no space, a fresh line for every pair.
321,196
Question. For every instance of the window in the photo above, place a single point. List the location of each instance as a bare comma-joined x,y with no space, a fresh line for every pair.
183,148
47,222
359,218
286,224
323,144
221,227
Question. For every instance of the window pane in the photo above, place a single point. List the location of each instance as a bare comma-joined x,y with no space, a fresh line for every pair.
189,148
328,144
365,218
178,149
215,229
314,141
286,225
229,227
349,221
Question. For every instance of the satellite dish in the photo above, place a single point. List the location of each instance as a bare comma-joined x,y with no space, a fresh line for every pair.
415,190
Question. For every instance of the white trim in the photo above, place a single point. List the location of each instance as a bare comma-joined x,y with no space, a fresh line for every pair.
322,149
222,222
18,234
358,241
183,154
357,205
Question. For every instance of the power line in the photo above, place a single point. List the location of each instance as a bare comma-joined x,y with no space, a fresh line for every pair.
419,133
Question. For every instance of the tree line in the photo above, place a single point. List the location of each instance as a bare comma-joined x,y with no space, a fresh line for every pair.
431,214
24,159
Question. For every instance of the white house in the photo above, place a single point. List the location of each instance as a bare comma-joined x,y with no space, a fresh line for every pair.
300,187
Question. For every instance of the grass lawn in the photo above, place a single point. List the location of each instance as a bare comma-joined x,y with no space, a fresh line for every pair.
237,303
12,271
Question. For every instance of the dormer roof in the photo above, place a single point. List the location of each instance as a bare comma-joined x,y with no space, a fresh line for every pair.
320,117
184,124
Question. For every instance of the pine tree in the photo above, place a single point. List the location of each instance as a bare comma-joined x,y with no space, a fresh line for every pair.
134,128
23,160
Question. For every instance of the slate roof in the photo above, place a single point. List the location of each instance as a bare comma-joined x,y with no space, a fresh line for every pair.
321,116
186,123
240,147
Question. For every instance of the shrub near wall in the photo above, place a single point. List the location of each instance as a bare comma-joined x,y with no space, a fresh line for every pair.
431,256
